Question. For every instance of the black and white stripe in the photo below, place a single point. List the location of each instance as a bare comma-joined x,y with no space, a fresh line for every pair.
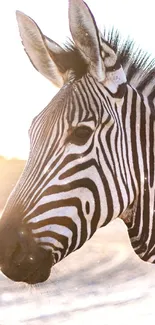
92,148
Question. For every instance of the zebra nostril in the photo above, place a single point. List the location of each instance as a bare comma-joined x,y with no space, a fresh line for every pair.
23,248
17,255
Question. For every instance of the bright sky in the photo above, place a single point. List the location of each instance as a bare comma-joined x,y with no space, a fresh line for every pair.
24,92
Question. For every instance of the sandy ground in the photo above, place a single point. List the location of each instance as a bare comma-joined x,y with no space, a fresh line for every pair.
102,283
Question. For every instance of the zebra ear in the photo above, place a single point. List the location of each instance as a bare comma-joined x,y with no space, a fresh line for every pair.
85,35
102,61
40,49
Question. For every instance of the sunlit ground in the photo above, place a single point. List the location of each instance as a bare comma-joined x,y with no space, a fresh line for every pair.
102,283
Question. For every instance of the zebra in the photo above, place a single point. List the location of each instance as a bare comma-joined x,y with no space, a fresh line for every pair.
92,149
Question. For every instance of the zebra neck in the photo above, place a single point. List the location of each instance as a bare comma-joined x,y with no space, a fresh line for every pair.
140,216
128,216
140,221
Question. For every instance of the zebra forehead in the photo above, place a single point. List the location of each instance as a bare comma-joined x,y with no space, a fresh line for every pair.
69,105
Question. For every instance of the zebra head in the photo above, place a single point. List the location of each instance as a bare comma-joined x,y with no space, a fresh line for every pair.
77,177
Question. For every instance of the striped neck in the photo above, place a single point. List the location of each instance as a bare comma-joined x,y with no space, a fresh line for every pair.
140,216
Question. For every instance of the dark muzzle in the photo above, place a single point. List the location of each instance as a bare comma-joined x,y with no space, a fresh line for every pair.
21,258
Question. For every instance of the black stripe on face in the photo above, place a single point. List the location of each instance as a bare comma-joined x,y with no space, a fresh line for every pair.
61,221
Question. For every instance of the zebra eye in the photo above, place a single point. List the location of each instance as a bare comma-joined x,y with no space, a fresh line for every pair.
80,135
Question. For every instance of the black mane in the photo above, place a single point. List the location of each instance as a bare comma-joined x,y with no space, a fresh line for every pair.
138,66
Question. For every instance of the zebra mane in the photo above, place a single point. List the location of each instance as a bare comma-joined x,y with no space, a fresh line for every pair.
137,63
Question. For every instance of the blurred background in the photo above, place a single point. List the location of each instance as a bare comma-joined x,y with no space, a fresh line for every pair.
10,170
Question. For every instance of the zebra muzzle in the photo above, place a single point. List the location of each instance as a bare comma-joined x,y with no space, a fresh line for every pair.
21,259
